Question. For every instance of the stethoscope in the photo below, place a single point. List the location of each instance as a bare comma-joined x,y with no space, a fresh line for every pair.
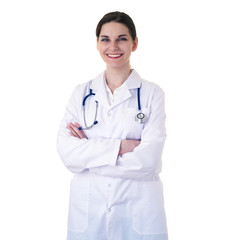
140,117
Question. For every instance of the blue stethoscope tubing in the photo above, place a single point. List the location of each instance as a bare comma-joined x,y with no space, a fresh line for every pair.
140,117
84,115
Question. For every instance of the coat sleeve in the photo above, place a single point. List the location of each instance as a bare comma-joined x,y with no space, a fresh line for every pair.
80,154
145,161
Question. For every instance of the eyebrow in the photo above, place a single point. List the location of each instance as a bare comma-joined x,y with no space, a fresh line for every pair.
123,35
106,36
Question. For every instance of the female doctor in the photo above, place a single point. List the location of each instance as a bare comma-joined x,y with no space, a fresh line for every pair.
111,138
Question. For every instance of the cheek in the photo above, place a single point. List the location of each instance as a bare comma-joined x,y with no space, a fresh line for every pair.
128,52
128,48
101,48
102,53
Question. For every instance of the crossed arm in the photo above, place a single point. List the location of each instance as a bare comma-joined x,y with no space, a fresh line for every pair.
114,157
125,146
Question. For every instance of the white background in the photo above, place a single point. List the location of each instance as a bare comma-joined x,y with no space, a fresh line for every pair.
191,48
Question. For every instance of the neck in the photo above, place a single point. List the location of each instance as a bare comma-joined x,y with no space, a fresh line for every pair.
116,77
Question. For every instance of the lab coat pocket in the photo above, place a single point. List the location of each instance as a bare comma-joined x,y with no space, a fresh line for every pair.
148,211
78,206
133,129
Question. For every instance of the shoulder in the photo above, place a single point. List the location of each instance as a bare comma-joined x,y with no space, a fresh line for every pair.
82,88
95,84
152,88
148,86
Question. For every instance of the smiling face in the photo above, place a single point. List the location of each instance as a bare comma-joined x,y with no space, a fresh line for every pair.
115,45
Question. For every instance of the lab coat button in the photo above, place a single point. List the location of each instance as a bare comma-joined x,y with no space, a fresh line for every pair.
109,185
110,113
109,210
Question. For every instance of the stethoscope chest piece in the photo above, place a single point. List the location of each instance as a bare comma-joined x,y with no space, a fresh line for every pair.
141,118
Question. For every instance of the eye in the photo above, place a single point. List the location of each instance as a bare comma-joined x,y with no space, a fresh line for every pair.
105,40
122,39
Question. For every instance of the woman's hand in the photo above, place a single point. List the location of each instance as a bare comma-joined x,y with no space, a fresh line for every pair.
128,146
75,132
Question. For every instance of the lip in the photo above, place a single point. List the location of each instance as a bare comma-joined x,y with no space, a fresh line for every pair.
115,55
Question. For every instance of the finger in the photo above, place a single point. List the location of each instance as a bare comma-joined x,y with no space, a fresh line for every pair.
137,142
73,133
74,130
81,131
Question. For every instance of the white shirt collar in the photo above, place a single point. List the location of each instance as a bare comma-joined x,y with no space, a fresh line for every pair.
133,81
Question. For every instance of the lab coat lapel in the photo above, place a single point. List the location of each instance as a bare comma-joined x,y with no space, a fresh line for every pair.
124,94
101,98
133,82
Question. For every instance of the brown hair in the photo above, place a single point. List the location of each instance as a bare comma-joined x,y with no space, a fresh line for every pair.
119,17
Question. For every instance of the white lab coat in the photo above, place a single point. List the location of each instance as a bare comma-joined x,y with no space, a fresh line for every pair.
115,197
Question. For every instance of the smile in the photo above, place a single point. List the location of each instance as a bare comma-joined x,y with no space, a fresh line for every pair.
114,55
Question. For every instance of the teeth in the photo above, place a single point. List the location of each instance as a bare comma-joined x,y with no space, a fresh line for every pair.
110,55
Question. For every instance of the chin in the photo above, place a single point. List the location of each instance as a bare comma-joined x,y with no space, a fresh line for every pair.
115,66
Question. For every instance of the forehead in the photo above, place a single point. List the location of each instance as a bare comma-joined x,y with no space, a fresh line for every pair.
114,29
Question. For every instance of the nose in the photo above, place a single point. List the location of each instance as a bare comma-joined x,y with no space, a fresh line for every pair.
114,46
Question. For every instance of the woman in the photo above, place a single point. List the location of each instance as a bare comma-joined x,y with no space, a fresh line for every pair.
115,155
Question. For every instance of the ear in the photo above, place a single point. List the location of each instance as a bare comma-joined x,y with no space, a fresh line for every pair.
135,44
